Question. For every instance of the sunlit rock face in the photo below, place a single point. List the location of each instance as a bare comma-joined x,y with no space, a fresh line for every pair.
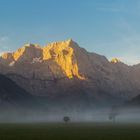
37,68
27,53
115,60
57,58
65,70
64,56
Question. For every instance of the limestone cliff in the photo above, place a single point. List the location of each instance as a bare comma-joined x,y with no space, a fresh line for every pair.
59,59
63,69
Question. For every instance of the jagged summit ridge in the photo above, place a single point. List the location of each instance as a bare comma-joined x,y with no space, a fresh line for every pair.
65,43
31,48
58,57
58,66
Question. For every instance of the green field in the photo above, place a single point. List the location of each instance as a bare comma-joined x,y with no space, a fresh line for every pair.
60,131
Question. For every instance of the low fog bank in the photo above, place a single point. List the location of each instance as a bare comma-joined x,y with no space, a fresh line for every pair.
131,115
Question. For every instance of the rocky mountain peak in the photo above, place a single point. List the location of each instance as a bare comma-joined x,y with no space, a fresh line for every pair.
61,66
27,52
115,60
61,44
7,56
63,54
30,45
58,58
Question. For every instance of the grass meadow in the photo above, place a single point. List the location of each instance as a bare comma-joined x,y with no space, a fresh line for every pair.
71,131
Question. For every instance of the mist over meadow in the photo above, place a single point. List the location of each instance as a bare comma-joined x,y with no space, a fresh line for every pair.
99,115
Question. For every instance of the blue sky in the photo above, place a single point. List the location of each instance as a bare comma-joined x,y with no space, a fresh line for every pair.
107,27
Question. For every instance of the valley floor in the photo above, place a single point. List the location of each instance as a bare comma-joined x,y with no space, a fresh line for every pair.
71,131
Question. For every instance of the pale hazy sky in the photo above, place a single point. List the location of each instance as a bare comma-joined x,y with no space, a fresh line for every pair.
107,27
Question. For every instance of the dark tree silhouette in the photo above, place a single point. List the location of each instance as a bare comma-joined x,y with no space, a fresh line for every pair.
66,119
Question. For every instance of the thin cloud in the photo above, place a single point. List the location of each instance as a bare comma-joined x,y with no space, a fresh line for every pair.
4,38
4,43
112,7
130,59
126,47
109,9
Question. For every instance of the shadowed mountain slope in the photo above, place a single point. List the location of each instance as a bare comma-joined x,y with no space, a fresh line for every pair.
64,71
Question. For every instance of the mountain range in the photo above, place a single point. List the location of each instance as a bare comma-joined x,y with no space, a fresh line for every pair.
11,95
63,73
